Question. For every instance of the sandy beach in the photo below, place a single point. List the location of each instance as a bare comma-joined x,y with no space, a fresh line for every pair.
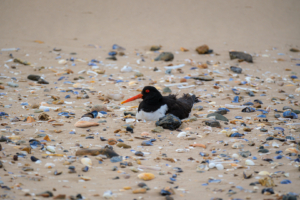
69,45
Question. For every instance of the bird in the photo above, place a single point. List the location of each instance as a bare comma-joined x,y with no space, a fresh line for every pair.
155,106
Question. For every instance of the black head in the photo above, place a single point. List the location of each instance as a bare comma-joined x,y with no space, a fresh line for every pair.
151,95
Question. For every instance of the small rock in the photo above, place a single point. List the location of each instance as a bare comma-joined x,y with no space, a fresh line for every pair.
294,50
198,108
155,48
165,56
123,145
11,84
169,121
218,117
237,70
263,151
204,49
45,194
167,90
138,74
42,81
158,129
213,123
203,78
116,159
245,154
33,77
139,153
241,56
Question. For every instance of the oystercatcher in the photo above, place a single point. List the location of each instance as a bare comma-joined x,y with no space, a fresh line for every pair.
155,106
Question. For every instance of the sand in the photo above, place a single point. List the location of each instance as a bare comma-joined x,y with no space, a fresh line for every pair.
265,29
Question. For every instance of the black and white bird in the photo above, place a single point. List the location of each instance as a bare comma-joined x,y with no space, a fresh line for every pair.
155,106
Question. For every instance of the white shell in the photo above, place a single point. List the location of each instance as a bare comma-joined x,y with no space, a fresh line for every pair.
126,69
219,166
50,149
212,165
297,90
274,144
249,162
86,162
237,145
49,165
86,178
182,150
108,195
62,61
89,72
181,134
264,173
116,97
235,156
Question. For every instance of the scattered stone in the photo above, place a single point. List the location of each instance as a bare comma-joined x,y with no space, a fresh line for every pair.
241,56
218,117
167,90
34,77
237,70
165,56
213,123
169,121
204,49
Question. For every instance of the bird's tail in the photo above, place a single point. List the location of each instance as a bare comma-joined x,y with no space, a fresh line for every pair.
189,99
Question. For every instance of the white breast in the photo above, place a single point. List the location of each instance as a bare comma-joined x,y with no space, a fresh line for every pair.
152,116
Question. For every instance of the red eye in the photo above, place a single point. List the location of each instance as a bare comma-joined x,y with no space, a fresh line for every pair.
147,91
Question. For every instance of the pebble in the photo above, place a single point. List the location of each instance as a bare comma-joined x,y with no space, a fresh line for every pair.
11,84
169,121
218,117
213,123
165,56
241,56
237,70
33,77
204,49
167,90
146,176
158,129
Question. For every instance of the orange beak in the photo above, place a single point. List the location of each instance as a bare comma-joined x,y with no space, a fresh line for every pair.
139,96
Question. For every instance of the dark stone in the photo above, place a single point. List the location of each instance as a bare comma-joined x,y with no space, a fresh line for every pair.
129,113
267,190
169,121
139,153
237,70
213,123
42,81
33,77
263,130
221,112
45,194
277,115
112,58
129,129
218,116
245,154
165,56
263,151
203,78
270,138
287,107
155,48
289,197
241,56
